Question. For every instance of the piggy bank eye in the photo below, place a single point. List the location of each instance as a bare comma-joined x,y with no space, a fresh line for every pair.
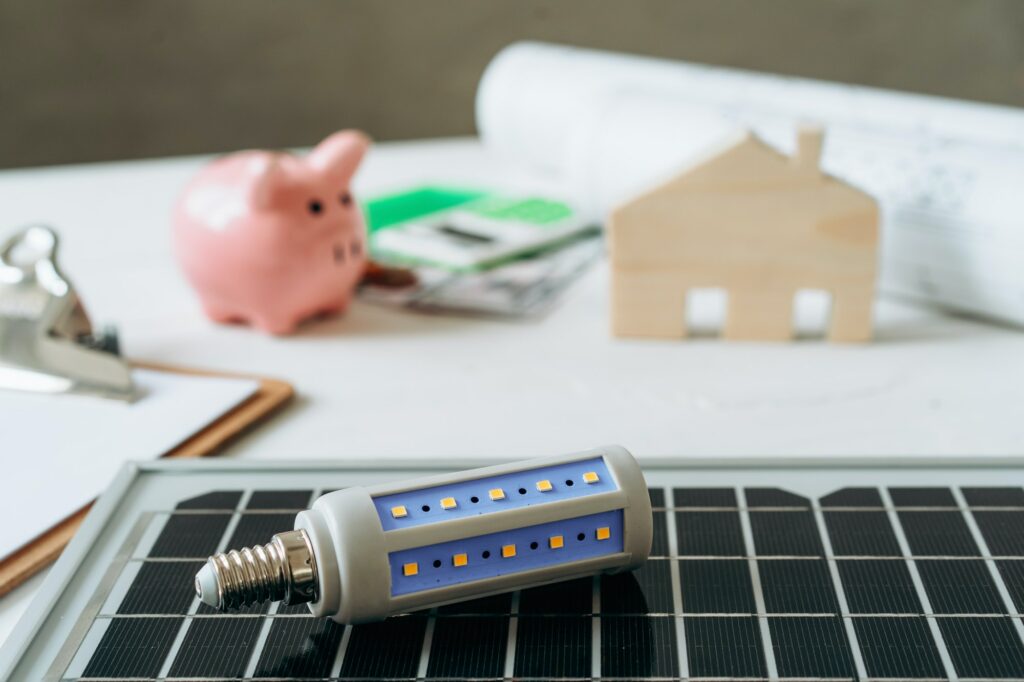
316,207
346,199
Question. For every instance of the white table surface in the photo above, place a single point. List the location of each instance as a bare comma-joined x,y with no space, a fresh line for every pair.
382,383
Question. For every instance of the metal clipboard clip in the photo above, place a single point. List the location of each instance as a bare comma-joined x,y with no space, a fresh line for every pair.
47,344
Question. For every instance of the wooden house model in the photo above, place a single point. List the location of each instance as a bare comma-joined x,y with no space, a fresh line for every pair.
756,223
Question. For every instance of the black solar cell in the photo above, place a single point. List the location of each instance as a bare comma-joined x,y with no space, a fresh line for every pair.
133,647
898,648
471,646
785,533
861,533
390,649
553,646
162,588
811,647
637,647
257,529
797,586
565,598
716,586
216,647
937,533
659,539
983,647
299,647
648,589
724,647
1012,573
709,534
190,536
657,496
295,500
878,586
960,587
774,497
922,497
219,499
994,497
1003,531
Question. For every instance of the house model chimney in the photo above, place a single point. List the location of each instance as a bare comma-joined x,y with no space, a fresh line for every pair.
808,149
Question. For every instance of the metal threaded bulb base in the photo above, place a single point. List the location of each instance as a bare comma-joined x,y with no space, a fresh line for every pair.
282,570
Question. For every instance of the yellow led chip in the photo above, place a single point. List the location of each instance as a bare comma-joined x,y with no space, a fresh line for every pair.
399,511
508,551
555,542
448,503
459,560
410,569
544,486
603,533
591,477
496,494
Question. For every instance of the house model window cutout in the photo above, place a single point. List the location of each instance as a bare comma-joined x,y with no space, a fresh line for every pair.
756,223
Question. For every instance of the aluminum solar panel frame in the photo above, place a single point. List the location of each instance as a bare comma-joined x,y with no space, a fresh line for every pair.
832,569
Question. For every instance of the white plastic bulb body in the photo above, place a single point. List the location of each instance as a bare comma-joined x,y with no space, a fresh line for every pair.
364,553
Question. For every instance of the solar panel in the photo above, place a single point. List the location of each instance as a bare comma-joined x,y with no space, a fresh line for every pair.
789,581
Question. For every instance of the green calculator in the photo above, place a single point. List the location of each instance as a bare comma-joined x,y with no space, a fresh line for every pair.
461,229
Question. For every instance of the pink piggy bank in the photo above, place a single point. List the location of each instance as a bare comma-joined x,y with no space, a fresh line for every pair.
270,239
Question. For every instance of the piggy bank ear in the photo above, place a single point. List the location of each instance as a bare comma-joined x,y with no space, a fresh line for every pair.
271,182
340,154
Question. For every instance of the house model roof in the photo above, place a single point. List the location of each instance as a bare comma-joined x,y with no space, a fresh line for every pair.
745,163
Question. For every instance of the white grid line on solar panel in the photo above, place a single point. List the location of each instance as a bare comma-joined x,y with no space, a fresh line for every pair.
997,577
121,586
261,641
145,544
87,648
755,582
339,657
595,628
428,638
165,667
915,577
837,585
677,593
513,627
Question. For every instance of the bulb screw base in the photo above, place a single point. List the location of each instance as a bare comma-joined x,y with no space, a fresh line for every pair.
282,570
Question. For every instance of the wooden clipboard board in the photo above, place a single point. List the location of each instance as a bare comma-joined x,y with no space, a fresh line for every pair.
271,396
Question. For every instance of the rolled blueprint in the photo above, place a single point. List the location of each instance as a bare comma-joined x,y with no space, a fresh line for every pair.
947,174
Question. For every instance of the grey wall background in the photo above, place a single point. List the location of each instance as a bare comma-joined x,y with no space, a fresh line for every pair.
104,79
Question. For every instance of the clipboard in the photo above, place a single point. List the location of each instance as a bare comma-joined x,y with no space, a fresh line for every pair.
270,396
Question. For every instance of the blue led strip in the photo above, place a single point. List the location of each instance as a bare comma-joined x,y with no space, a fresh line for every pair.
424,505
435,565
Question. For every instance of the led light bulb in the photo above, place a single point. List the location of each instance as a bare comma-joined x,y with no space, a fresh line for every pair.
362,554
